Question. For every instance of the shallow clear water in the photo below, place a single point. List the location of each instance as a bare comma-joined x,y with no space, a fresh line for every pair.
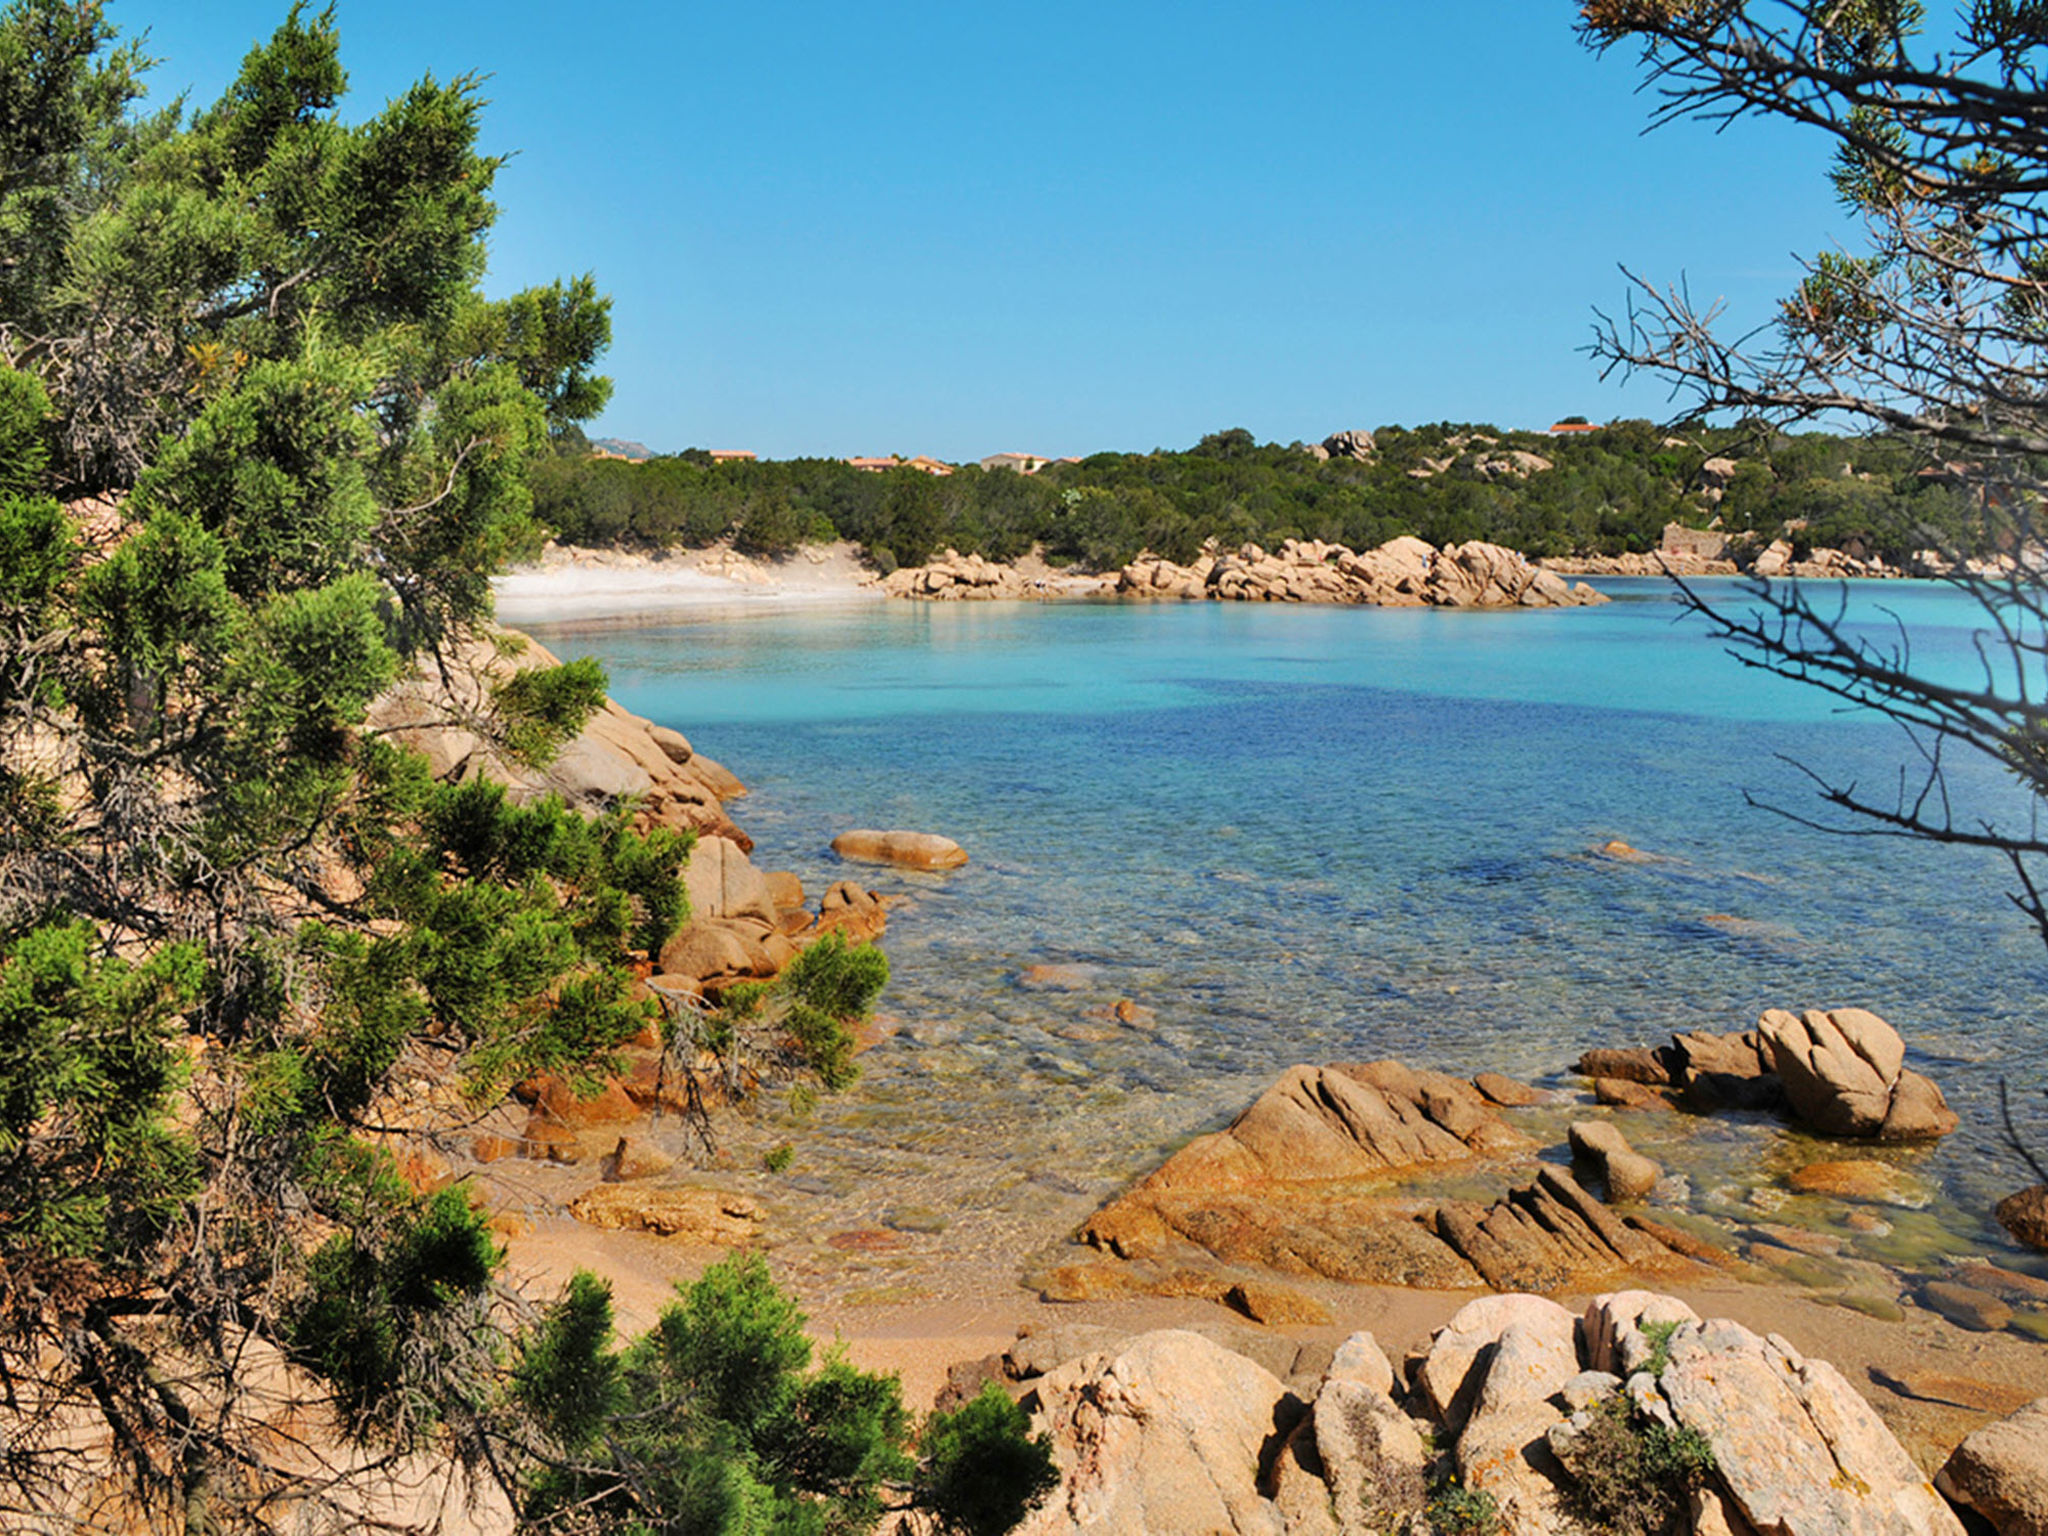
1311,834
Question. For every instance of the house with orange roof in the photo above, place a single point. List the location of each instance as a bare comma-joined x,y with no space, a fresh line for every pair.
1562,428
732,455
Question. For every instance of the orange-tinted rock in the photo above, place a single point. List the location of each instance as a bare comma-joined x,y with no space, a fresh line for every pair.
1638,1064
491,1149
907,850
1276,1305
784,889
423,1169
2025,1216
1508,1093
694,1214
635,1158
849,910
559,1101
1619,1093
867,1240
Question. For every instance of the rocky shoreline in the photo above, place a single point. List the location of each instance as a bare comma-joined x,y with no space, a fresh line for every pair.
1266,1236
1402,573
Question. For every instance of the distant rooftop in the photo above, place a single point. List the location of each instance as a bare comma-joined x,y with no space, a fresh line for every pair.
1558,428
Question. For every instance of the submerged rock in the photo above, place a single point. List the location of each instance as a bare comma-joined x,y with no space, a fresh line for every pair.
908,850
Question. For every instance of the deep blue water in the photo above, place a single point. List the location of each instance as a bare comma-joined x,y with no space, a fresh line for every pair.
1304,834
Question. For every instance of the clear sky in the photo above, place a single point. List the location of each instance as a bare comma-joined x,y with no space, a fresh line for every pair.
1061,227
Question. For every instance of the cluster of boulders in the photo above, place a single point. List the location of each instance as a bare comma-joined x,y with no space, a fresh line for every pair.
954,577
1517,1416
1838,1072
1405,573
1687,551
745,924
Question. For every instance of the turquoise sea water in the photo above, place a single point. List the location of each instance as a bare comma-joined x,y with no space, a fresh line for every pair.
1310,834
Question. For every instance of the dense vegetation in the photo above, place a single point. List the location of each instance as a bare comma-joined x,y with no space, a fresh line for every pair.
1606,492
262,444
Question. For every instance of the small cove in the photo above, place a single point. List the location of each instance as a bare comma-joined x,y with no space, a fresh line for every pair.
1302,834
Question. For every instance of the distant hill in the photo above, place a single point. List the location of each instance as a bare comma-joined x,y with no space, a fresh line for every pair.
621,447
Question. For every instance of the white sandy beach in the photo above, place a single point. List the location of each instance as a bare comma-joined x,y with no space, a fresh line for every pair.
569,584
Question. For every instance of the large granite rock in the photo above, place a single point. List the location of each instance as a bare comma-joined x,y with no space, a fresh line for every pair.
444,712
1795,1448
1173,1433
1312,1131
1845,1075
1166,1433
2001,1473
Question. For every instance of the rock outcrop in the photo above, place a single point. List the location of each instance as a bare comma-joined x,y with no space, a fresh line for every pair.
1845,1074
1164,1434
443,713
1404,572
953,577
1839,1073
1170,1432
2000,1473
1308,1181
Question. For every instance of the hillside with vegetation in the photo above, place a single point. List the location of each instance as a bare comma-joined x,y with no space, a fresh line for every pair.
1597,492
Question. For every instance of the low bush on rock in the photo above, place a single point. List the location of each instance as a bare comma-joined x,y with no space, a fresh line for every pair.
1456,1510
1632,1475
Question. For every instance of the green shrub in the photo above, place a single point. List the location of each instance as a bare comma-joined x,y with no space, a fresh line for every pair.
1632,1475
717,1422
1455,1510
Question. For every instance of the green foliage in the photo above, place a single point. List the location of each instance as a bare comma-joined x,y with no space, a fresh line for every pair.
804,1019
1660,1336
716,1421
778,1157
1455,1510
1607,492
982,1471
539,709
394,1303
91,1163
1632,1475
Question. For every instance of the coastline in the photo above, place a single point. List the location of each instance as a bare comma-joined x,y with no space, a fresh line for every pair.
604,586
569,584
922,1340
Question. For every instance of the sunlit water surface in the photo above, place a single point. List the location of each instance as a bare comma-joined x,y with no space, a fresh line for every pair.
1314,834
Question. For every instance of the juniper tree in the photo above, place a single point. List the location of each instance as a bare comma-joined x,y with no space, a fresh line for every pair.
262,444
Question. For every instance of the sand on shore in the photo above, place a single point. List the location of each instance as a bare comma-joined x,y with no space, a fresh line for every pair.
568,584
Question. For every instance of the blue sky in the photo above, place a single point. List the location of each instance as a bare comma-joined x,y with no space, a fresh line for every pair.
1061,227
